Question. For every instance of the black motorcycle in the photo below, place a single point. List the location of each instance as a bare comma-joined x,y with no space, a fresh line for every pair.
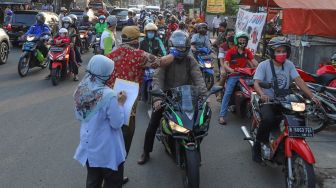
31,56
84,39
184,124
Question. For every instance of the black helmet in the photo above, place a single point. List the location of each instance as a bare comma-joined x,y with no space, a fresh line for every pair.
202,28
40,19
277,42
182,25
86,18
181,41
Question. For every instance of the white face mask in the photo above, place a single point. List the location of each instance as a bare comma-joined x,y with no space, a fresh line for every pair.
101,21
66,25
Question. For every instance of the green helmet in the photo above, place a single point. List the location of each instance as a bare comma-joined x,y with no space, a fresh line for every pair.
241,34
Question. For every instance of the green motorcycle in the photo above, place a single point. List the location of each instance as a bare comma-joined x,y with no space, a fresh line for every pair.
184,124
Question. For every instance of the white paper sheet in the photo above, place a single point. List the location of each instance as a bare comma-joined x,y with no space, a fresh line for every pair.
132,91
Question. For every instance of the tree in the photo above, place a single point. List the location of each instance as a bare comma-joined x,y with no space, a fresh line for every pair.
231,7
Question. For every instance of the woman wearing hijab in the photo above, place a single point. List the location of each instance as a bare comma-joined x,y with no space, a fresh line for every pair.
101,114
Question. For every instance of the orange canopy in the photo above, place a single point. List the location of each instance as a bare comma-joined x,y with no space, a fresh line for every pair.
304,17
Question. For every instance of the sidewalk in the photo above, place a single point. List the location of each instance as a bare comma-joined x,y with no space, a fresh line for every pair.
323,146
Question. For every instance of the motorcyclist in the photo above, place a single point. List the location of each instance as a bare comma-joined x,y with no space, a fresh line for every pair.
76,38
200,39
8,17
130,20
38,29
160,22
101,25
183,71
151,43
107,40
285,72
182,26
61,16
237,57
87,24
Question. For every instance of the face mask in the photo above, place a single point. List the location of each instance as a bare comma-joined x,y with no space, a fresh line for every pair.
281,58
241,45
150,35
62,35
66,25
101,21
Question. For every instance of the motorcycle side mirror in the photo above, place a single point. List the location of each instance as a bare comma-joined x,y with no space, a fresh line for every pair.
265,85
215,89
157,93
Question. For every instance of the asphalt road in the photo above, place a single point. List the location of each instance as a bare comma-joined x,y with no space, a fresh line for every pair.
39,135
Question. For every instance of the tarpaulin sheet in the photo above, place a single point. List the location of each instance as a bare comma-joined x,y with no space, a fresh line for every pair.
304,17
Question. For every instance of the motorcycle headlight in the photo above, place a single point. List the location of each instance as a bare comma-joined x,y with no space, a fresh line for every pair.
298,107
177,127
97,39
30,38
208,65
81,35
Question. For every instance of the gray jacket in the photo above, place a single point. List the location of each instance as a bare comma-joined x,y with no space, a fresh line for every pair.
179,74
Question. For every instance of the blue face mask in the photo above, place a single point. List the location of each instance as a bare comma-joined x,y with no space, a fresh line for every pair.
150,35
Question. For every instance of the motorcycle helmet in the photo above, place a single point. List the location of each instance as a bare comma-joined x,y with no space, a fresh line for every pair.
63,31
181,41
111,20
40,19
276,42
85,18
9,13
73,18
182,25
202,28
333,59
101,18
66,22
160,16
151,27
241,34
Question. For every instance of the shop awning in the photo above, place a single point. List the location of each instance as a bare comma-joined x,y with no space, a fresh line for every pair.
15,1
304,17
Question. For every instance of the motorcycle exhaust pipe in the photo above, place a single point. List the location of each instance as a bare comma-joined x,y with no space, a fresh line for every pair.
247,135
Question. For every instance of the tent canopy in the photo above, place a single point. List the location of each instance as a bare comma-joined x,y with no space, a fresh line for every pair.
304,17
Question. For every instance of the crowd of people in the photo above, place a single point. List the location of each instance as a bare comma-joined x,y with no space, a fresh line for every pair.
105,140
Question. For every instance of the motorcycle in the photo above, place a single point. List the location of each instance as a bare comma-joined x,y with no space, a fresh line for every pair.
31,56
84,35
184,124
96,45
321,116
147,85
204,59
287,146
59,56
325,75
241,97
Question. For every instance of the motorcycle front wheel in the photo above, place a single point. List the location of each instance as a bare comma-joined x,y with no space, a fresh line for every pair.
303,173
23,66
209,80
192,178
55,76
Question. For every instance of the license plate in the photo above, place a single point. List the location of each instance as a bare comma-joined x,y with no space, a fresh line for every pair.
300,132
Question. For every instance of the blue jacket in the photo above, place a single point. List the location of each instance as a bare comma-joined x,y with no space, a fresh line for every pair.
37,30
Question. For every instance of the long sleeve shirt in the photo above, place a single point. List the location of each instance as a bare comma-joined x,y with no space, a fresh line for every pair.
101,138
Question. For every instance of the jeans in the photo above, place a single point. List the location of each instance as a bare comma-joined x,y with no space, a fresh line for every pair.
230,85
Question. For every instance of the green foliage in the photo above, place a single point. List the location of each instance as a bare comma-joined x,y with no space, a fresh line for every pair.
231,7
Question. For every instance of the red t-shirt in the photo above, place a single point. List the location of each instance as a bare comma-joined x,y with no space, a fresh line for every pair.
237,60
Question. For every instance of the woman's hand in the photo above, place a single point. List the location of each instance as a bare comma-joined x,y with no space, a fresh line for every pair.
122,98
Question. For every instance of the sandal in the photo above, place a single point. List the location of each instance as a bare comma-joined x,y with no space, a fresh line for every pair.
222,121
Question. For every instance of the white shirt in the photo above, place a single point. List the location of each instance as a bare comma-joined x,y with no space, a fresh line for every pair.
216,21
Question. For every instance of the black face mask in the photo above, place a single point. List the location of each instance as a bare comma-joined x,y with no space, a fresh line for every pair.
241,45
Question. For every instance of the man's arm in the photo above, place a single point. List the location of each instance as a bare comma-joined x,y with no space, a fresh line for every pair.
303,86
197,78
158,81
152,61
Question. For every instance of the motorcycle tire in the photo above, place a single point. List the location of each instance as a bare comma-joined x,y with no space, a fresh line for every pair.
209,80
4,51
55,76
23,66
303,173
192,179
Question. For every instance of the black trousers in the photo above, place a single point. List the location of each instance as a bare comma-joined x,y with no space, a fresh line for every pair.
151,130
112,179
215,31
128,133
270,119
78,55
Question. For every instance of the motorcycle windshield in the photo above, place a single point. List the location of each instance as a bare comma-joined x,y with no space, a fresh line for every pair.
187,98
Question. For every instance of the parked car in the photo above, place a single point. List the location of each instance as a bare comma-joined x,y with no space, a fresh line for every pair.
23,19
4,46
122,16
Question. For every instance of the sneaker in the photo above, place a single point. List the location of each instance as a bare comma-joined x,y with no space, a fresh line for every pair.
75,78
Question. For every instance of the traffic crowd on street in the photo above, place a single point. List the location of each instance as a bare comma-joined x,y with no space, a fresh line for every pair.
196,74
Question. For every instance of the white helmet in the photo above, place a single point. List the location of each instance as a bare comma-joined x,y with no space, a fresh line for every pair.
151,27
63,30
